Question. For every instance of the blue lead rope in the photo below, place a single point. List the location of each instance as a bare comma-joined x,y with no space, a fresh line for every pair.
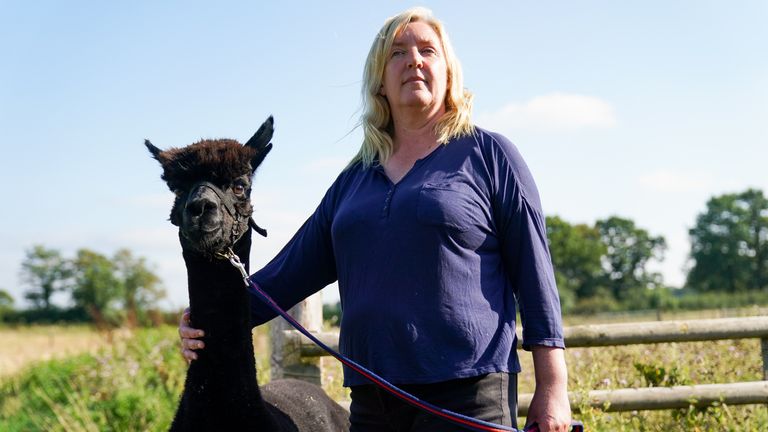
456,418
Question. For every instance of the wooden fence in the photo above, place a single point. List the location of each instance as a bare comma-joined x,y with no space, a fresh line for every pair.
296,356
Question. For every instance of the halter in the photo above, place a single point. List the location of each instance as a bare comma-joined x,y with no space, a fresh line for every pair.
229,204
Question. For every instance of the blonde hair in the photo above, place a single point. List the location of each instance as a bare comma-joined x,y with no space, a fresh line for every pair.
376,119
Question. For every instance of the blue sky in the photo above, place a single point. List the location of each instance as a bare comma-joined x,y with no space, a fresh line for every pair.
643,110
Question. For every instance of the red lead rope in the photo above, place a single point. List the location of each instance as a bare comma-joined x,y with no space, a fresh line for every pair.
460,419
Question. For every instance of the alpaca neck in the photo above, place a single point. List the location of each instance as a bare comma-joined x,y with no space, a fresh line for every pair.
217,296
223,378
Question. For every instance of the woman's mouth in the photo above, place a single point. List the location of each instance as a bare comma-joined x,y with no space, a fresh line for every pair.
414,79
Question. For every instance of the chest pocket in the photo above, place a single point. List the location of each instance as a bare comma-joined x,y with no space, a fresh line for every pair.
448,204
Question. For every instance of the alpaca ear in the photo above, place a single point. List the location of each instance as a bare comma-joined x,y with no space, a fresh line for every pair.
152,149
260,142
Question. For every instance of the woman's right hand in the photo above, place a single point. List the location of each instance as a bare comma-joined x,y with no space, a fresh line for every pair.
189,335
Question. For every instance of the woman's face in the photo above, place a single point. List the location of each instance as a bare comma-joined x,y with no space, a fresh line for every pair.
416,75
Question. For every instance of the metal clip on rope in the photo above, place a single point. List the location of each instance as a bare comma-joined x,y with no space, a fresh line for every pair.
235,261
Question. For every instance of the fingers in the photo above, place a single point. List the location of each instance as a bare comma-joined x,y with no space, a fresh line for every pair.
185,331
188,355
184,317
187,348
548,426
188,336
192,344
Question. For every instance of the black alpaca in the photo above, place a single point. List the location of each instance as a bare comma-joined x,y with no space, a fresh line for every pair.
212,183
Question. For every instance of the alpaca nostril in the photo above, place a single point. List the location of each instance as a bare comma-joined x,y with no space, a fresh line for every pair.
200,206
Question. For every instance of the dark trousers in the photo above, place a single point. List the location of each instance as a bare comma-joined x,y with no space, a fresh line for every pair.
491,397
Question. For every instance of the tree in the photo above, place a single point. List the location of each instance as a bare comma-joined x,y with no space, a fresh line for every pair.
628,251
729,244
141,288
96,289
45,271
576,255
6,303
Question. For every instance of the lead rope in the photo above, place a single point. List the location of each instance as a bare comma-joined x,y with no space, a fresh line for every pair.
460,419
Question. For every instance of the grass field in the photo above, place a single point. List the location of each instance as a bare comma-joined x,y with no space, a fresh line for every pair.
131,381
23,345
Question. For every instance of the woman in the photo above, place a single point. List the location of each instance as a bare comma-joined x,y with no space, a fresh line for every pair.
436,236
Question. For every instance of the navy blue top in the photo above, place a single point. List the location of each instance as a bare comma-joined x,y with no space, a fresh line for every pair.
432,269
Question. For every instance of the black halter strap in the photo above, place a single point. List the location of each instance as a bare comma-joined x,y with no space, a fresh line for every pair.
225,200
257,228
229,205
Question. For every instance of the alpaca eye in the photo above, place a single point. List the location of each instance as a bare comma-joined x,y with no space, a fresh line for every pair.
238,189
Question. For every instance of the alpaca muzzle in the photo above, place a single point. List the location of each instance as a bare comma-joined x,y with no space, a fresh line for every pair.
202,211
203,193
229,205
213,219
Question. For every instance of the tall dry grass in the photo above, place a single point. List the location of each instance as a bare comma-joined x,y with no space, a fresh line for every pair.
22,345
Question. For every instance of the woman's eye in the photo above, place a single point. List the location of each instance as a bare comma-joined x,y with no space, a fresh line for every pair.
238,189
429,51
396,53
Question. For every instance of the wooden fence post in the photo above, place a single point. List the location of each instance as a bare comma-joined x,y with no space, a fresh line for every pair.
764,350
286,360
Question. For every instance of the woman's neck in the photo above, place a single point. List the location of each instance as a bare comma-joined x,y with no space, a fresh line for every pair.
414,138
415,125
409,144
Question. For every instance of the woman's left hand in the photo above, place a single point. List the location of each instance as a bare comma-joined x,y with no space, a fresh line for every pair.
550,408
550,411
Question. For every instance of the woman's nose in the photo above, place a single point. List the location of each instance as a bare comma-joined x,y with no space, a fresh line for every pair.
415,60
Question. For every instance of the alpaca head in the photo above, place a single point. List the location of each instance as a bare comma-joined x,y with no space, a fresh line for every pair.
212,182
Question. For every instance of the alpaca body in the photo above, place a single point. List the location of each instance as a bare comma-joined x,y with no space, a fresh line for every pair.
212,182
221,391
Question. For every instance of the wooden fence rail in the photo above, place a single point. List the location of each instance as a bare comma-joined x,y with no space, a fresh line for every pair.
656,398
665,331
296,349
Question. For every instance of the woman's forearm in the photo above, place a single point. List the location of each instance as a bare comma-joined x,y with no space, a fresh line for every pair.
549,367
549,408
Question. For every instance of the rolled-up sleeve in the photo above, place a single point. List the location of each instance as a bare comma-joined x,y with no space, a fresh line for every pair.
527,262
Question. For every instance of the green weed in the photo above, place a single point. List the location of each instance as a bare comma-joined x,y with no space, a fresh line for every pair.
131,386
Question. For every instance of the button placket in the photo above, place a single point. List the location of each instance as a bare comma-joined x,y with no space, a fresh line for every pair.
387,202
